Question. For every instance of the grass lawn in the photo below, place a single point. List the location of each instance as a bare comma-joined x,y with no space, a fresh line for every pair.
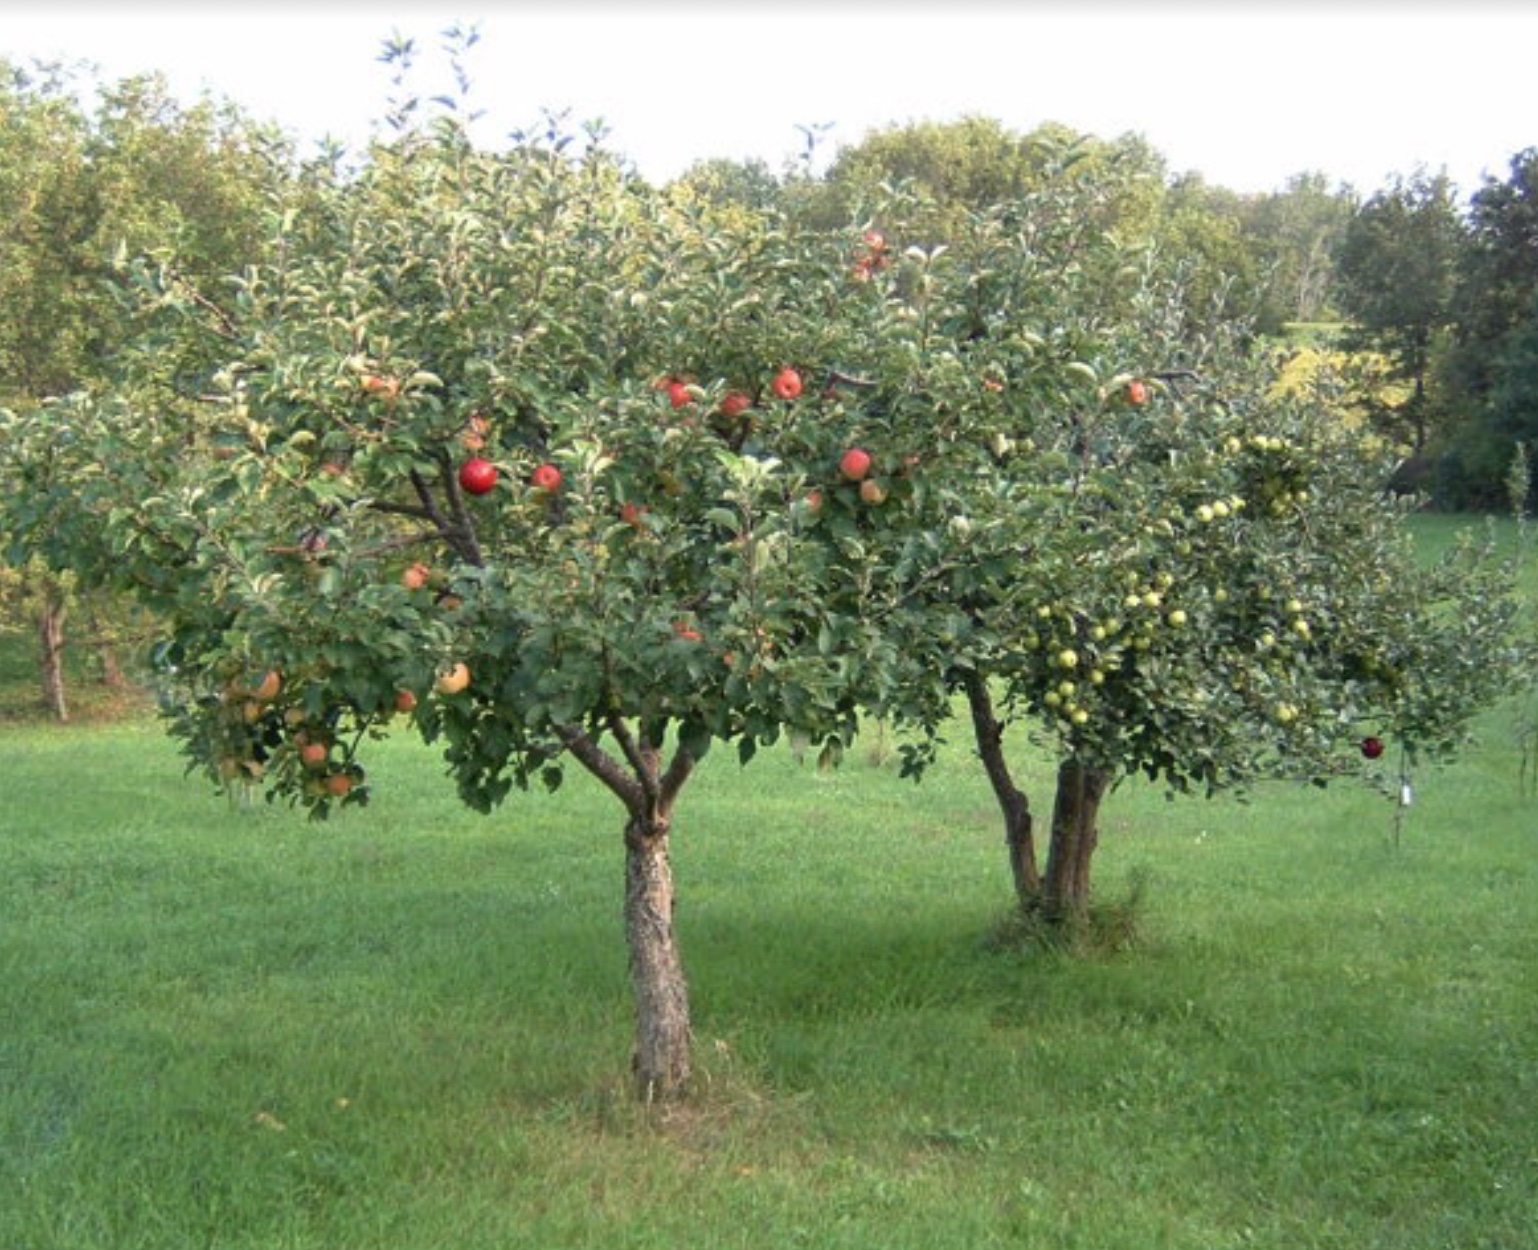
407,1028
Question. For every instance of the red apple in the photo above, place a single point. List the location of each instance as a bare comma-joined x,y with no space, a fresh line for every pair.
736,403
477,475
1372,747
405,701
546,478
1137,393
678,394
786,383
854,463
415,576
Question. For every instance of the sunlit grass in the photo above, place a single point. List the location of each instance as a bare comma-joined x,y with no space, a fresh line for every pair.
409,1026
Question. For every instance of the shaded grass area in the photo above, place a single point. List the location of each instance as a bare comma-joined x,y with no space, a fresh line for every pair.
408,1027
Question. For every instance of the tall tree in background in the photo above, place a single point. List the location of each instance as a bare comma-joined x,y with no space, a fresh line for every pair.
1295,235
1490,370
141,174
1399,263
1500,270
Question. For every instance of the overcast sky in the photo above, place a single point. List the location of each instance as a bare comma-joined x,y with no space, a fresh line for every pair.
1245,93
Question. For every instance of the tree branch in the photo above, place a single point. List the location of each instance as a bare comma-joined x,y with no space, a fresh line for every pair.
462,532
642,764
603,766
673,780
395,544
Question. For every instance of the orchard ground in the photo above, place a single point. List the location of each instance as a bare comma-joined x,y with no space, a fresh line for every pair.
231,1026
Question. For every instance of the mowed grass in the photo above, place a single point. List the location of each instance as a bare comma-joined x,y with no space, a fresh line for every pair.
408,1028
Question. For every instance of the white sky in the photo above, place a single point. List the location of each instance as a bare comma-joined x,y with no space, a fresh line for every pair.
1247,93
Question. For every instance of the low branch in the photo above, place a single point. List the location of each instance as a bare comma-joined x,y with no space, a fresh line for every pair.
673,780
603,766
644,768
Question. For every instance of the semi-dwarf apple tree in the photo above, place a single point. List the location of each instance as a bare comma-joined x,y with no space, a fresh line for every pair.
549,463
1166,569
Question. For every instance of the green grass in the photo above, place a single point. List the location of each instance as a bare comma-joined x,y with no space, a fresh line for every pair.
408,1027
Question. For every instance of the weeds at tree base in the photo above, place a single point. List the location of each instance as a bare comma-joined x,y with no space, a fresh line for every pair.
1105,927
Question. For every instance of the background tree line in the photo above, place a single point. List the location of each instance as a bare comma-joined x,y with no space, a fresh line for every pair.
1423,303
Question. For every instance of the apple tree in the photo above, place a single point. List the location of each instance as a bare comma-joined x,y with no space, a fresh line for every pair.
1170,569
552,465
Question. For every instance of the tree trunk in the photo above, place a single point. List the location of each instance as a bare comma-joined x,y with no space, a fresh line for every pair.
50,630
1019,843
105,638
1075,815
663,1035
664,1038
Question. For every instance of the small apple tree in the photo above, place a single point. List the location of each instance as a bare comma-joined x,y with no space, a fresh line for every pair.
1173,572
553,464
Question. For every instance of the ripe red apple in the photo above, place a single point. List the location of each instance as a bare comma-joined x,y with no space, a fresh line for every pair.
686,632
477,475
313,754
453,681
678,394
405,701
814,501
875,240
546,478
415,576
1372,747
854,463
786,383
1137,393
736,403
339,785
267,689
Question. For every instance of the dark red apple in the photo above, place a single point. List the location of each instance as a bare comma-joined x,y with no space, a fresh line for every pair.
477,475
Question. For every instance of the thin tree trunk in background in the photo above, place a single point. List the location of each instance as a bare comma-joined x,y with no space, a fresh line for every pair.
106,645
50,629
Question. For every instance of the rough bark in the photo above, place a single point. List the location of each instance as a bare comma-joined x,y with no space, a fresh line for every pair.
50,630
664,1034
1014,804
663,1031
1075,833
